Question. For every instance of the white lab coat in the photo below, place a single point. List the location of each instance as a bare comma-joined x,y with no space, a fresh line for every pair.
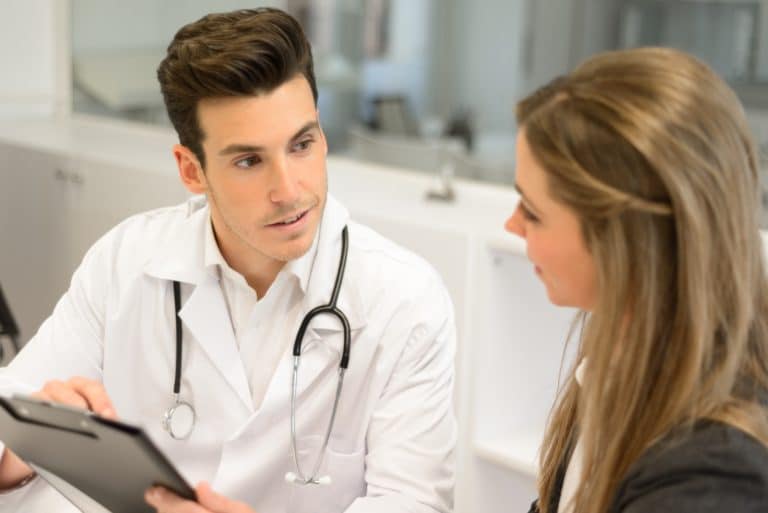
395,433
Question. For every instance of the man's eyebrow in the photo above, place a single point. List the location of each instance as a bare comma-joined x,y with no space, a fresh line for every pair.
250,148
240,148
308,127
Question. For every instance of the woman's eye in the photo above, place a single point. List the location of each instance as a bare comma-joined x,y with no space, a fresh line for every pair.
247,162
527,214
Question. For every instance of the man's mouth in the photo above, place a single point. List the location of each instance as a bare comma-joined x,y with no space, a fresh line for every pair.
290,220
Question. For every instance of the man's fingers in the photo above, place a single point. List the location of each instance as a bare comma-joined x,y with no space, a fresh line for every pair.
208,501
78,392
94,394
59,392
165,501
12,470
218,503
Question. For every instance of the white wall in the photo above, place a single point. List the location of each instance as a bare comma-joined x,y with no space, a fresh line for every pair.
404,69
33,58
112,25
490,36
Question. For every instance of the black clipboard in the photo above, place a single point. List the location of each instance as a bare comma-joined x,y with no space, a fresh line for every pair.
84,455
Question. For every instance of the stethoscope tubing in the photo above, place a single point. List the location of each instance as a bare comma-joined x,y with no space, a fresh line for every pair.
177,372
333,310
330,308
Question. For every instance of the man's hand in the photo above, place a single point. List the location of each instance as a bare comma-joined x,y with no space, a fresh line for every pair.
208,501
78,392
12,470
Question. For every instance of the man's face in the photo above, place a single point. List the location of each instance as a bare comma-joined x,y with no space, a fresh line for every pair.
265,174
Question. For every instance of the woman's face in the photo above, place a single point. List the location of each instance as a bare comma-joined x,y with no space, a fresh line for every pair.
552,233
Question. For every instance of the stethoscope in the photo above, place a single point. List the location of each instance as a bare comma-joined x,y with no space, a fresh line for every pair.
179,418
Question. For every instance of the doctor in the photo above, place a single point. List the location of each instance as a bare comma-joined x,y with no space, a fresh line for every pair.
253,254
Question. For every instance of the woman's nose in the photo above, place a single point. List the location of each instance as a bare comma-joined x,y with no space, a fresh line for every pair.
515,223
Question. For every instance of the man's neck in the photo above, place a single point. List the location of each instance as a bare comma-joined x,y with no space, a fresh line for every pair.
258,269
259,279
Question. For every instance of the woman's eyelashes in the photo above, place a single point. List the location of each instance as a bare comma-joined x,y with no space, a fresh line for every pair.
527,214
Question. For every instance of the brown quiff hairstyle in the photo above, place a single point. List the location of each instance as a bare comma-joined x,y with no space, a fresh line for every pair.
241,53
652,152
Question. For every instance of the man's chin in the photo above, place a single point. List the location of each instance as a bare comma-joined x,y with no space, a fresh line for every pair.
292,250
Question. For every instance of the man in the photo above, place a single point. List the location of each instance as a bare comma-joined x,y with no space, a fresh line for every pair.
259,252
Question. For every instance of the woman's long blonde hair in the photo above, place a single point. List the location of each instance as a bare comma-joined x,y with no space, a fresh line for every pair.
652,152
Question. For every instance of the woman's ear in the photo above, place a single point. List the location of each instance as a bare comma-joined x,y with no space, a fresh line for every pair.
190,170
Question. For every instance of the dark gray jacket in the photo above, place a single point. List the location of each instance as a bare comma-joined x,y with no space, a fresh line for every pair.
715,469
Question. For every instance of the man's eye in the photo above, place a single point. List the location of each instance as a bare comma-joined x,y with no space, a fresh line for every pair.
247,162
303,145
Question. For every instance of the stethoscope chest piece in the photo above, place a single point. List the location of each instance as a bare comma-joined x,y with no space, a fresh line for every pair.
179,420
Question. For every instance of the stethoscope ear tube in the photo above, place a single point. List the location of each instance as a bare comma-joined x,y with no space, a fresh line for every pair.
331,308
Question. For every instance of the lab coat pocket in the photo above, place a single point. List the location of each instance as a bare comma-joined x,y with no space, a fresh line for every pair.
345,469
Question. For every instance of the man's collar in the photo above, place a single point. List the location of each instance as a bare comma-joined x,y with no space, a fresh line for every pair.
300,268
181,257
185,258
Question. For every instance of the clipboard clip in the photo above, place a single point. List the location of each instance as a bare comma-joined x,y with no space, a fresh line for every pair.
35,411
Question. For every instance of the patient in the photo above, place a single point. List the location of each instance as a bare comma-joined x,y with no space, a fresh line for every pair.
639,205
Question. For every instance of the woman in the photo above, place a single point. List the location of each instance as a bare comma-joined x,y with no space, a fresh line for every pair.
639,205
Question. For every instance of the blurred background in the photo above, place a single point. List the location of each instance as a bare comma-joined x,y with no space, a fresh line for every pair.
425,84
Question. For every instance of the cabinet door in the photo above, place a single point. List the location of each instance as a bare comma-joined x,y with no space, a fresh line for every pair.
34,247
52,209
108,193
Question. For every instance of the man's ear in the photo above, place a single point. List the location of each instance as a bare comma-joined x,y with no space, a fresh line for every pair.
190,170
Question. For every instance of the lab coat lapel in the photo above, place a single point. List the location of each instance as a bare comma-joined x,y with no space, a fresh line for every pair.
204,313
206,316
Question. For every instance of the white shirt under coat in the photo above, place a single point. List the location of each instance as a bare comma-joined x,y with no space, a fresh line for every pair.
573,472
261,341
393,443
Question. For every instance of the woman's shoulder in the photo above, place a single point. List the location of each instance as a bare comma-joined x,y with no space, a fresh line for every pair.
713,468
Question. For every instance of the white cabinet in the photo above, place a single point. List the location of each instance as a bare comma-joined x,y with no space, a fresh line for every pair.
53,207
109,192
35,253
34,50
518,352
